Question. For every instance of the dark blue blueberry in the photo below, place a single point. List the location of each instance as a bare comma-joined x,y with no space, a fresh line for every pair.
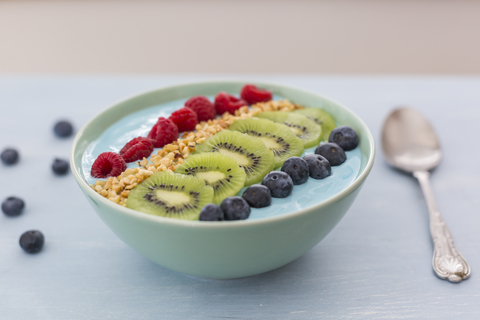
211,212
319,166
258,196
332,152
32,241
63,129
13,206
9,156
235,208
297,169
345,137
60,166
279,183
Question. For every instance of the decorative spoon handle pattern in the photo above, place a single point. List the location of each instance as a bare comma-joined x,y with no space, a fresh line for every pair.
447,262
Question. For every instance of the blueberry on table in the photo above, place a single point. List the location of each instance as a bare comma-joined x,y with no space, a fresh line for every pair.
63,129
32,241
279,183
297,169
9,156
13,206
332,152
60,167
319,167
211,212
257,196
345,137
235,208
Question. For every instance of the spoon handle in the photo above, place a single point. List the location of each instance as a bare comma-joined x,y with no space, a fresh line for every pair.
447,262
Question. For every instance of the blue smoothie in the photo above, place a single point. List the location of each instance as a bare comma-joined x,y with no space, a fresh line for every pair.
303,196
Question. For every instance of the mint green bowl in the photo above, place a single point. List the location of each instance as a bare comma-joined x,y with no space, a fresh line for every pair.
230,249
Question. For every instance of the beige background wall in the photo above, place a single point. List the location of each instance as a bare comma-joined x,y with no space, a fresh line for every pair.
214,36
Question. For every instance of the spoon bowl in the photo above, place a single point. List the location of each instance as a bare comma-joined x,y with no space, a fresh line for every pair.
409,141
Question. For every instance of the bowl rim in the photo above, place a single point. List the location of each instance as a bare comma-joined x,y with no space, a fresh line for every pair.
225,224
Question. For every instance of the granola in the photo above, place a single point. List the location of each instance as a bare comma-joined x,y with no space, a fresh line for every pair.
116,189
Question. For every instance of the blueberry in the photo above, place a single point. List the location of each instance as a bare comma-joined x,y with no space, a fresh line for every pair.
211,212
258,196
297,169
13,206
32,241
235,208
319,166
332,152
63,129
9,156
279,183
345,137
60,167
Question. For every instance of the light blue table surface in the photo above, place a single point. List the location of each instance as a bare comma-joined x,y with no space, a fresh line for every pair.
376,264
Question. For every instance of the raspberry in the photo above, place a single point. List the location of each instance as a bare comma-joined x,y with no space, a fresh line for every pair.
202,106
185,119
163,132
108,164
252,94
225,102
136,149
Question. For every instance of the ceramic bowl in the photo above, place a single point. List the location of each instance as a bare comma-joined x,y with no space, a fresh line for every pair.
230,249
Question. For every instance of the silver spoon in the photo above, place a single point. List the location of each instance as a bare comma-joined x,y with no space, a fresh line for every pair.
409,143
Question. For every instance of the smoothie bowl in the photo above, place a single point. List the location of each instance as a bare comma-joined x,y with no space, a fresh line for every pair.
166,201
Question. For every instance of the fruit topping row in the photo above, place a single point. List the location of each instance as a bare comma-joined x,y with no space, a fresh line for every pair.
248,145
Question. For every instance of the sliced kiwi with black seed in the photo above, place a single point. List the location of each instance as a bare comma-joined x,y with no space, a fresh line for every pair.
276,136
171,195
320,117
250,153
219,171
304,128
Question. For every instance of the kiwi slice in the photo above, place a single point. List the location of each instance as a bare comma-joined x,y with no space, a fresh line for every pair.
304,128
250,153
171,195
277,137
219,171
320,117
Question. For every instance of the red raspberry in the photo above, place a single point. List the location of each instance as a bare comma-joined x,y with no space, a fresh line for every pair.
163,132
225,102
108,164
185,119
136,149
202,106
252,94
